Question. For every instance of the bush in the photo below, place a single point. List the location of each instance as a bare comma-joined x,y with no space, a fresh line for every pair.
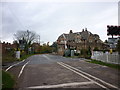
77,54
8,56
86,53
96,49
7,81
118,46
45,49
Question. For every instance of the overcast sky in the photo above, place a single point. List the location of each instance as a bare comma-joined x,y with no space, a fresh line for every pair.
51,19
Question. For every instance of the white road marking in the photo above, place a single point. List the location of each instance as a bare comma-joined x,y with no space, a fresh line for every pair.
47,58
91,76
22,69
61,85
9,67
73,69
14,65
104,66
82,75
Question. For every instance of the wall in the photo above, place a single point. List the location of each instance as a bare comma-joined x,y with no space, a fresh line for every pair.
113,58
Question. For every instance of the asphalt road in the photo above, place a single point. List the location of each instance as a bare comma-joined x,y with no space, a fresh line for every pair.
52,71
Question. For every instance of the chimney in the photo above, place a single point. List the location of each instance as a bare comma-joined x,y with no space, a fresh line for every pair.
85,29
82,30
71,31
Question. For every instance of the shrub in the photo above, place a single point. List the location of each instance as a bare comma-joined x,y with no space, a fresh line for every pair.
7,80
86,53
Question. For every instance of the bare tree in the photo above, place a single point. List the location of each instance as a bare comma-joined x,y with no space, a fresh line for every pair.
27,36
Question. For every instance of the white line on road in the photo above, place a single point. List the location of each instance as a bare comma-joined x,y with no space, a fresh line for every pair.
22,69
82,75
47,58
14,65
91,76
61,85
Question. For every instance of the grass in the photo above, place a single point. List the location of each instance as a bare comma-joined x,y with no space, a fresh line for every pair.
116,66
9,58
25,56
7,80
71,56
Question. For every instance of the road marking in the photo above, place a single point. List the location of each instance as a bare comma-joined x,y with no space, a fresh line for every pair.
9,67
73,69
82,75
61,85
14,65
22,69
47,58
91,76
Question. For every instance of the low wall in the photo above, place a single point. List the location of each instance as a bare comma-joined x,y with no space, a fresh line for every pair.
113,58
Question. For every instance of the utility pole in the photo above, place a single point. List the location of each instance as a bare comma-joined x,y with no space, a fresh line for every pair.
39,39
119,13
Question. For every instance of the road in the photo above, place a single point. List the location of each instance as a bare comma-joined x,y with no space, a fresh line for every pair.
53,71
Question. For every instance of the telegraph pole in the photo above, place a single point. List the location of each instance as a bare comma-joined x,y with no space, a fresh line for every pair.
39,39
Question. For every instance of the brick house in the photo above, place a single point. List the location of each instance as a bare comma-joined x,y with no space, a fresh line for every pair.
36,47
79,41
7,46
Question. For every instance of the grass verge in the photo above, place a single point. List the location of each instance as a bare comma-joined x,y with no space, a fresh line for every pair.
72,56
25,56
116,66
7,81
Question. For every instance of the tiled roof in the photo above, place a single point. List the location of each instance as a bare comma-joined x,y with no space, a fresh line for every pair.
84,35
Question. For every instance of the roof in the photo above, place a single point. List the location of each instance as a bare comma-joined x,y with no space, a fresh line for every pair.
84,35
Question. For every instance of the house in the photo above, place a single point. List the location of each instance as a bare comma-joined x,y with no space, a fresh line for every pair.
7,46
36,47
78,41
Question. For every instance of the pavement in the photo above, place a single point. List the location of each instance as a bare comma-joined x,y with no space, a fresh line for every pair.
56,72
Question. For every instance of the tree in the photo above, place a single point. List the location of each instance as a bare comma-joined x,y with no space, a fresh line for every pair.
16,43
118,46
106,41
26,37
54,46
45,49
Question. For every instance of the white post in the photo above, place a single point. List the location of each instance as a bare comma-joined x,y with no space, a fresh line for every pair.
65,41
18,54
107,55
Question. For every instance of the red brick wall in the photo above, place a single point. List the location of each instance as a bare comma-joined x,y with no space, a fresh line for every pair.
6,46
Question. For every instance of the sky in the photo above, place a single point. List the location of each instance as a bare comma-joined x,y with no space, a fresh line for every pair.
51,19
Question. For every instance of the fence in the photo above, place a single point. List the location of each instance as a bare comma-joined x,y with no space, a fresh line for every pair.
113,58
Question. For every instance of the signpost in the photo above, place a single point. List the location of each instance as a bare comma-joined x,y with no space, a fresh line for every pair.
113,31
22,44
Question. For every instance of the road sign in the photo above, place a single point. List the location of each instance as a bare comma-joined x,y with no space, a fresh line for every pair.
113,30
